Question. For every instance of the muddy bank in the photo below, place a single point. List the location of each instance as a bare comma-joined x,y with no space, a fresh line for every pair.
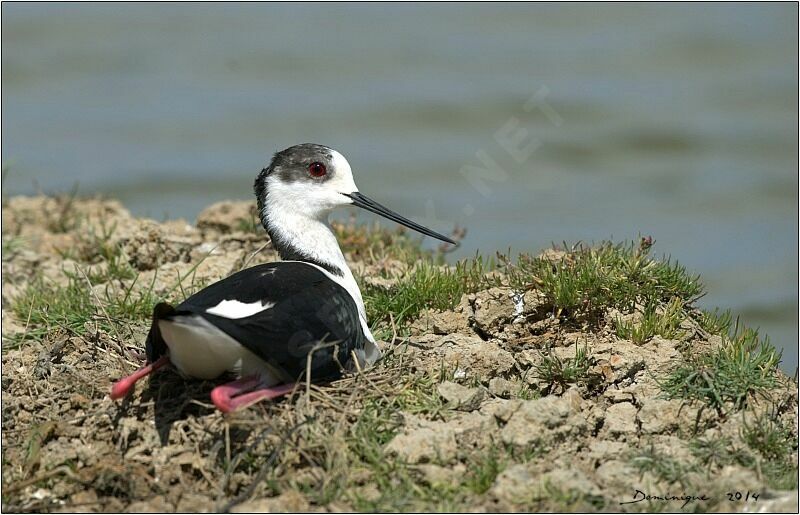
501,401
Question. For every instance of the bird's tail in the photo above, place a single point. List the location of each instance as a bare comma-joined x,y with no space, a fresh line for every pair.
155,344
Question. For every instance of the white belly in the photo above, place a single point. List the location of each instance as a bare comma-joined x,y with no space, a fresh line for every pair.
199,349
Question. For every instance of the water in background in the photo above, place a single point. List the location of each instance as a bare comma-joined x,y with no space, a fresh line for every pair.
672,120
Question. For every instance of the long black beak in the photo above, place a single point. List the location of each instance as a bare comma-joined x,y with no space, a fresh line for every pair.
370,205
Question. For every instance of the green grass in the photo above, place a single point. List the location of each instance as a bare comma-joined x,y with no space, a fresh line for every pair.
744,366
654,321
720,452
65,217
561,373
100,246
398,486
775,445
12,245
96,247
351,458
45,306
663,467
250,225
779,474
767,435
358,450
89,301
586,281
360,453
718,322
427,286
483,468
766,446
579,288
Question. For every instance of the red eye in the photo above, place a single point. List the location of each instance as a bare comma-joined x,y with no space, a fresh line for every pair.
317,169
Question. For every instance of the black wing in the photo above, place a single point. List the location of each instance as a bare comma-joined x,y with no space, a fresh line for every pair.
310,310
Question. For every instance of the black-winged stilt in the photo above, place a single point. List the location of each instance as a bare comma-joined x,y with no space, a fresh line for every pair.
271,323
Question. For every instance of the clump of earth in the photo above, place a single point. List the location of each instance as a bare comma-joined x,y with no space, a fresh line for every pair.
465,394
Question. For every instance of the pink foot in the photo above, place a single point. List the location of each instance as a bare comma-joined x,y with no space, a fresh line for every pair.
237,395
123,386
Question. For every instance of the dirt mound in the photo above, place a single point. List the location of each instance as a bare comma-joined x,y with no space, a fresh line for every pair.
503,394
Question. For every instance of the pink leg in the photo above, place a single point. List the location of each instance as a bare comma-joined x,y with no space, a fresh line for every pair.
123,386
236,395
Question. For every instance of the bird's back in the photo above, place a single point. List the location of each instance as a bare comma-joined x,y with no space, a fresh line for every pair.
281,312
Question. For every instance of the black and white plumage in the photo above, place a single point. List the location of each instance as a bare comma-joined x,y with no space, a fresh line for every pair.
262,324
276,312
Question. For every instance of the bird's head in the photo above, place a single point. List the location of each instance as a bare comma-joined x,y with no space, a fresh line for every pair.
311,180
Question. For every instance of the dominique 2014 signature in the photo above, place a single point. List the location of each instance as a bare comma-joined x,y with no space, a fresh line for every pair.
639,496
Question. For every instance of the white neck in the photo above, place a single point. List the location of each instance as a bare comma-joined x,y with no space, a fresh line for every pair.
299,237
